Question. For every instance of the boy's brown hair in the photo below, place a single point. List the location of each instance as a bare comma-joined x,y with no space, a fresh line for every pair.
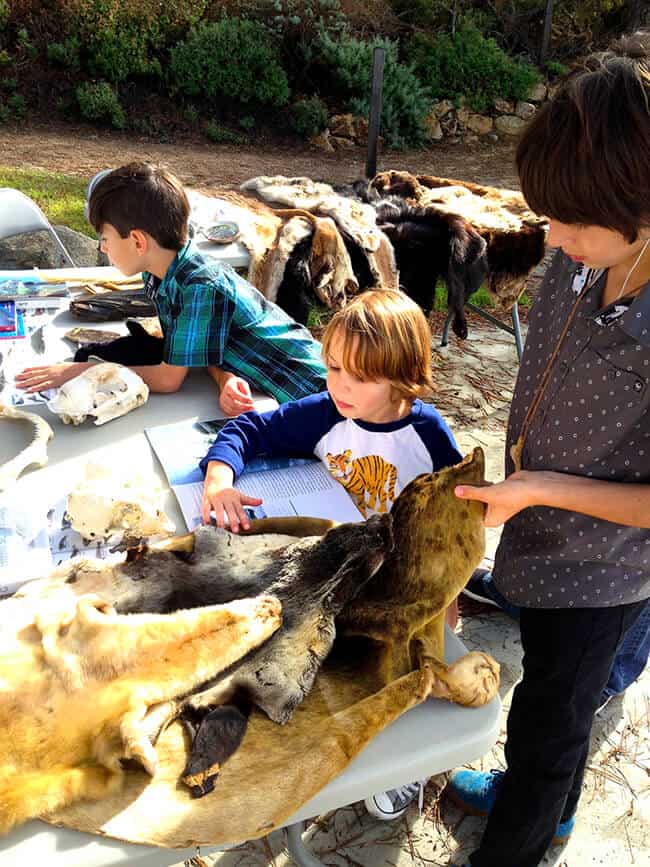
384,335
142,196
585,156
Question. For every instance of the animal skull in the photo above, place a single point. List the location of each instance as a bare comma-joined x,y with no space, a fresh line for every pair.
105,391
102,506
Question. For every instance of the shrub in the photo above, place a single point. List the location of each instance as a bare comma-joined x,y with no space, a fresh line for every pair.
406,102
247,122
220,135
98,101
12,108
555,68
65,53
309,116
469,66
232,59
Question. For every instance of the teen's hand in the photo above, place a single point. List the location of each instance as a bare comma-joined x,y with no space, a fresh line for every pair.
235,396
228,503
506,498
49,376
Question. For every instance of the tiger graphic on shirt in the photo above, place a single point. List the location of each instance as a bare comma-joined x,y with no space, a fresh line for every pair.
369,475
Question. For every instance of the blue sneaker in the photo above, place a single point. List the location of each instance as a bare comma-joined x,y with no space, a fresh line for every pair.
475,793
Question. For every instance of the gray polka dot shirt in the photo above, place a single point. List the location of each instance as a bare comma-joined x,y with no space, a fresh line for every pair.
593,420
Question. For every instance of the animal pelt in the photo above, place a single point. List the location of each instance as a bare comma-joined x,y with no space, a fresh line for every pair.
275,770
283,266
78,679
355,221
514,235
430,245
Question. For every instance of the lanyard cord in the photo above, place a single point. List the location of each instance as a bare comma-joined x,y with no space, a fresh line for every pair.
517,448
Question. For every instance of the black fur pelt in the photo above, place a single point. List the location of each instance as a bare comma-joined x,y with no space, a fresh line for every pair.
295,293
430,245
139,347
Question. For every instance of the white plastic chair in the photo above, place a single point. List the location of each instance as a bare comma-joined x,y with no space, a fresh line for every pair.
91,186
20,215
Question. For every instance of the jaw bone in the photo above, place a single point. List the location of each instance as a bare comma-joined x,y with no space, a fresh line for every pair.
33,454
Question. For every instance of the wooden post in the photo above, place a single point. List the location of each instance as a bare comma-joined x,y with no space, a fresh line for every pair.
546,32
374,120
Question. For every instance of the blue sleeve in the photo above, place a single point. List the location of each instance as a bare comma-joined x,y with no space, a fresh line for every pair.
292,430
434,432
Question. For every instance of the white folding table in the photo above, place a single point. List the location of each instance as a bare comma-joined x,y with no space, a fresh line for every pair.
432,737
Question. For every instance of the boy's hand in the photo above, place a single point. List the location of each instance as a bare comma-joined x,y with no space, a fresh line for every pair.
504,499
235,396
220,496
50,375
228,503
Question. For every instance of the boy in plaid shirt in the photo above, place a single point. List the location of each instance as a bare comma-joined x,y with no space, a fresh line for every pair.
210,316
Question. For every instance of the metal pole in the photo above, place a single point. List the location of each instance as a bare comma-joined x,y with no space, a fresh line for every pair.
546,32
374,121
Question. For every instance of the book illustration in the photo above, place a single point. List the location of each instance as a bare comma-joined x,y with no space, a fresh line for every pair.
30,287
369,480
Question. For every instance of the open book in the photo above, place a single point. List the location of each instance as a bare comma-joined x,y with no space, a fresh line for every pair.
287,486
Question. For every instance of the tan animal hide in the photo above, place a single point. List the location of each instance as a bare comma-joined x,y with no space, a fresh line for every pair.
515,235
77,680
356,219
390,659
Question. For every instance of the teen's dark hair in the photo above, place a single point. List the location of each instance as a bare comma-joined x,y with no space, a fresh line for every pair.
585,156
142,196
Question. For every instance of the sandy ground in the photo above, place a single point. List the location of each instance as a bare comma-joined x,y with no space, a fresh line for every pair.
613,825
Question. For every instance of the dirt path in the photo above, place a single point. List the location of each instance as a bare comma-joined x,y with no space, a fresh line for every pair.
83,151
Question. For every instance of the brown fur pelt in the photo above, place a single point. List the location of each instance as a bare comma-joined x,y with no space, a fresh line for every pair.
514,235
389,657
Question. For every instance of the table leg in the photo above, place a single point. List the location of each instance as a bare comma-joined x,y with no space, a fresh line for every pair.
297,849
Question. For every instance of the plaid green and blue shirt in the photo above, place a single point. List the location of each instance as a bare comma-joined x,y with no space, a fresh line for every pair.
211,316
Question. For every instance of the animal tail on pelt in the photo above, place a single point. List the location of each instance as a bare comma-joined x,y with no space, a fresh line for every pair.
28,795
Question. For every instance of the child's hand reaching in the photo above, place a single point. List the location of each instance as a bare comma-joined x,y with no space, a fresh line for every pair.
226,502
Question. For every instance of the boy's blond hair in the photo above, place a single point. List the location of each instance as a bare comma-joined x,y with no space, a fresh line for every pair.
384,335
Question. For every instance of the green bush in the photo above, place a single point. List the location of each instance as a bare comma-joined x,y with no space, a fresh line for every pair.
221,135
309,116
123,38
12,108
232,59
247,122
406,102
469,66
98,101
554,67
65,53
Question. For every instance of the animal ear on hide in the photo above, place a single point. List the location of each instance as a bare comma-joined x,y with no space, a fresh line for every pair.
466,270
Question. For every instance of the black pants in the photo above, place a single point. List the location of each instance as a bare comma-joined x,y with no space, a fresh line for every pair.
568,654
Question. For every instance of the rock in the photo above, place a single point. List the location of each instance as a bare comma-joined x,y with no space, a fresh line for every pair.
471,138
449,123
343,126
443,107
509,124
525,110
38,250
361,130
432,128
504,106
342,144
479,123
322,141
462,115
492,137
538,92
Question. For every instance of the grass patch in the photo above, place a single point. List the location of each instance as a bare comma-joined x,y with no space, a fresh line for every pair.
60,196
482,298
